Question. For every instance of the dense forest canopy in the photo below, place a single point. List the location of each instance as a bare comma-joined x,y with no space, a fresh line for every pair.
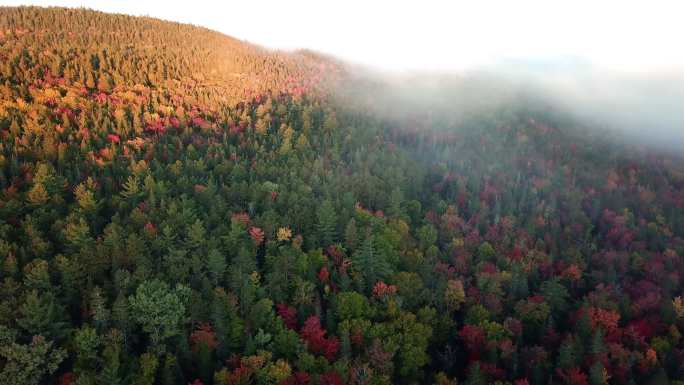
180,207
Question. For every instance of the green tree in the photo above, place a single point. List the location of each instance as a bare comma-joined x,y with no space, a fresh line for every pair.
556,295
327,223
147,370
171,373
351,235
216,265
427,236
350,305
159,310
370,264
598,375
87,344
396,199
41,314
228,325
241,273
112,371
28,364
99,309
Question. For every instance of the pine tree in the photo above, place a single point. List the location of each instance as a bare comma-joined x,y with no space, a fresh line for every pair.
327,223
171,373
147,371
87,343
350,235
369,263
216,265
597,344
41,314
567,357
99,310
131,188
556,295
396,199
519,287
475,376
227,324
240,271
598,374
111,372
205,364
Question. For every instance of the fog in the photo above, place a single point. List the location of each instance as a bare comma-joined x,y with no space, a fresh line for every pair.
640,108
647,108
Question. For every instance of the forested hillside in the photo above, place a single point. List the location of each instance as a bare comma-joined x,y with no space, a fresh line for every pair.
179,207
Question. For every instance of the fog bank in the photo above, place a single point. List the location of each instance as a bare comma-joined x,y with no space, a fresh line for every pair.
644,108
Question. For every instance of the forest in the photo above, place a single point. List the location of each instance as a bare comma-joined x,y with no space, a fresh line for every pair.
178,207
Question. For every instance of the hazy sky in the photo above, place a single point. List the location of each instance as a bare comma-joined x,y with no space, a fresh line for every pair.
624,35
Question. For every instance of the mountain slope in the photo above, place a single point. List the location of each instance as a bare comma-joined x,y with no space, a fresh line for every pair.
178,207
102,51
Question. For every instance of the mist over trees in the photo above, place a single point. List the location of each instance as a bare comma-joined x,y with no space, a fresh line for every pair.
179,207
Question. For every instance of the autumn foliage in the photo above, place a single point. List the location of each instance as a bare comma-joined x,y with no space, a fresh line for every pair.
178,206
315,338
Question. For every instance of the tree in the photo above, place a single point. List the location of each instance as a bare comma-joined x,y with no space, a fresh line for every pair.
317,342
38,195
396,199
227,324
350,235
475,375
240,273
454,295
281,271
474,338
99,310
111,372
327,223
369,263
147,371
41,314
350,305
567,357
28,364
159,310
598,375
519,287
427,236
217,266
556,295
171,372
87,352
204,343
85,197
36,275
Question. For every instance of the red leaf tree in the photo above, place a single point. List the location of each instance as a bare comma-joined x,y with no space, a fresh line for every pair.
314,335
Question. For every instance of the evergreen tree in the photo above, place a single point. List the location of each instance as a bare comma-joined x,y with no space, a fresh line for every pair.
327,223
369,263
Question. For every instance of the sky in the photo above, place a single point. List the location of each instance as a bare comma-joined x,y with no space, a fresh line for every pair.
617,35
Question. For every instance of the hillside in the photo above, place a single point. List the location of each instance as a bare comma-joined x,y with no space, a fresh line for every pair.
180,207
103,52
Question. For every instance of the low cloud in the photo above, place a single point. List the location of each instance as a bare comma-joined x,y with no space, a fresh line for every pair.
647,108
644,108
